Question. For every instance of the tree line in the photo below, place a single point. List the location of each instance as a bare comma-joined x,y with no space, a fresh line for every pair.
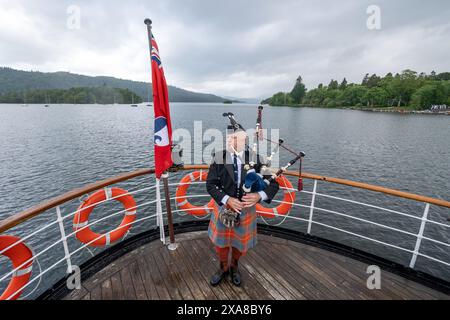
83,95
405,89
12,80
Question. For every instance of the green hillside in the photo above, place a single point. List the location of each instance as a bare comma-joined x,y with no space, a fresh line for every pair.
12,80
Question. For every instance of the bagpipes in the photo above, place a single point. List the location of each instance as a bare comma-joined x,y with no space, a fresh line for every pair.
255,182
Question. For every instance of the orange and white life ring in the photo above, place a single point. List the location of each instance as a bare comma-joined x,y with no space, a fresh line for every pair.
285,206
181,198
21,257
81,218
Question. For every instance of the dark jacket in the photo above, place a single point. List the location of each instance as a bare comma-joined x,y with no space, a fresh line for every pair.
220,181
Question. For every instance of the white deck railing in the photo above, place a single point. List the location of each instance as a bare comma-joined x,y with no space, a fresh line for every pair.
309,220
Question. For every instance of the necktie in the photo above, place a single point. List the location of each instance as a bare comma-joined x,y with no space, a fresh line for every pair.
236,174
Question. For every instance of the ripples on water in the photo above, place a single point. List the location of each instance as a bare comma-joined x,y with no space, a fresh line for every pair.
48,151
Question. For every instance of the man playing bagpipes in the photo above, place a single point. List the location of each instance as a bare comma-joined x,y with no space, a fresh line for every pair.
233,223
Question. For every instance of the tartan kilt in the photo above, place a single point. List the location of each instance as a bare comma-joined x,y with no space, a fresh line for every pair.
242,237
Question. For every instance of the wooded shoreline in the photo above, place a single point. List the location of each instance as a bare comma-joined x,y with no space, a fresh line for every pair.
378,109
407,92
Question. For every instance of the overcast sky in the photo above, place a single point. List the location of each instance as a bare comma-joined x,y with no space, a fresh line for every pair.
247,49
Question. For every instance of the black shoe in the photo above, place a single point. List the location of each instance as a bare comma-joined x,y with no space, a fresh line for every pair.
218,277
235,276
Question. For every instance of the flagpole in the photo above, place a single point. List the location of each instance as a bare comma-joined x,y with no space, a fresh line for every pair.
159,216
148,23
172,245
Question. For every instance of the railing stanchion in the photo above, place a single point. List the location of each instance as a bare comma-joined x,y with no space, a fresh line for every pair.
419,236
311,210
172,244
64,240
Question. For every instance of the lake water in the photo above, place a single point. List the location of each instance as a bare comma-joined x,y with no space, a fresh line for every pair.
48,151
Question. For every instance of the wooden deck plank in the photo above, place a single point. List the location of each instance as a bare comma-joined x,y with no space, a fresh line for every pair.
208,265
127,284
155,289
195,273
180,262
264,258
344,277
310,273
253,288
310,289
117,265
201,266
175,272
262,280
275,269
87,297
116,287
356,271
337,279
353,275
106,290
419,291
266,270
168,277
163,275
326,280
402,290
211,263
77,294
291,274
96,293
138,283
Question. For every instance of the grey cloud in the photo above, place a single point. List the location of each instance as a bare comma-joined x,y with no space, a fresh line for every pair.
234,48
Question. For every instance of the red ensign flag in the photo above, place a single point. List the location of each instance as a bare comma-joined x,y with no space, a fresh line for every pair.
163,126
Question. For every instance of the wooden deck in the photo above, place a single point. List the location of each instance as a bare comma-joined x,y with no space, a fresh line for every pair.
275,269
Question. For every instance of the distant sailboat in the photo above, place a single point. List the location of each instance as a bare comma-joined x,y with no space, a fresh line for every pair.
132,101
47,101
24,104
